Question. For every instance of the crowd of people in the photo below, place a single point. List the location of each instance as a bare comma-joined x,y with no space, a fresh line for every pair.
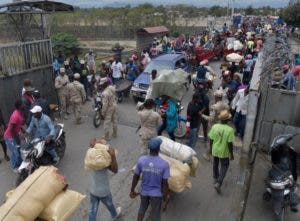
76,82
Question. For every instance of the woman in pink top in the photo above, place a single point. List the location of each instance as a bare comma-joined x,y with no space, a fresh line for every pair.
12,133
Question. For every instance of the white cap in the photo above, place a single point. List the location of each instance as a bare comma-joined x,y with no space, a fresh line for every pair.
76,76
36,109
62,70
82,62
66,62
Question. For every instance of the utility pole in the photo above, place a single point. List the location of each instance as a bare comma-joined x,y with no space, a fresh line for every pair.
232,8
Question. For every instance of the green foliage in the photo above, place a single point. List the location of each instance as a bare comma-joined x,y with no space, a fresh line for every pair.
291,14
250,11
65,42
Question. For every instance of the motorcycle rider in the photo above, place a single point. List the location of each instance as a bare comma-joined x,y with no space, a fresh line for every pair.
109,108
43,128
77,96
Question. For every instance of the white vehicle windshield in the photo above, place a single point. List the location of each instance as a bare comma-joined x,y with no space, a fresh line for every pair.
159,65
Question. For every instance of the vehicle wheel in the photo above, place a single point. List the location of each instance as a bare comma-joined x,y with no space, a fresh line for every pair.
180,131
22,176
97,119
280,216
61,148
136,99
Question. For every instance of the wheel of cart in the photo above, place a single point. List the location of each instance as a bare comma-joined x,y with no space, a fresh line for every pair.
123,87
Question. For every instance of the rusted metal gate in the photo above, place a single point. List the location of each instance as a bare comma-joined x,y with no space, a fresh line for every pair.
26,56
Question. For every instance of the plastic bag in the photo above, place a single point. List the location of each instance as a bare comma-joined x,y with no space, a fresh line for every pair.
179,174
234,57
29,199
97,158
62,206
176,150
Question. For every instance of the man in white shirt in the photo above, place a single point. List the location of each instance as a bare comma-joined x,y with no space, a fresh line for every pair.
117,69
240,105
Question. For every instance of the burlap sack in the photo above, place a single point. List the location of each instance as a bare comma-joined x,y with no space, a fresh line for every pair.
62,206
33,195
194,166
179,175
97,158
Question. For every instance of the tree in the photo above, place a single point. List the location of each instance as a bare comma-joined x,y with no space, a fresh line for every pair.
291,14
250,10
65,42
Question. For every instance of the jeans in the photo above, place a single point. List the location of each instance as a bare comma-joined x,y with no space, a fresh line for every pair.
51,151
219,174
193,137
239,121
107,201
155,203
15,157
163,127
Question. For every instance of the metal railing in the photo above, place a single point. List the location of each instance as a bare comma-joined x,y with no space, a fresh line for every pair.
25,56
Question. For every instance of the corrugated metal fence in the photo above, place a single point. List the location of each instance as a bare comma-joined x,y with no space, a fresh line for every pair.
20,57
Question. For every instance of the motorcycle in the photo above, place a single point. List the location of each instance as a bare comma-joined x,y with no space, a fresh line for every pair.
97,108
282,177
180,130
34,155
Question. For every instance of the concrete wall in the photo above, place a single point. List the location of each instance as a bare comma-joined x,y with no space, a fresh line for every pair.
11,86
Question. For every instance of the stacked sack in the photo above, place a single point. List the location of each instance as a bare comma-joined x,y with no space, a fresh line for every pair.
43,194
183,163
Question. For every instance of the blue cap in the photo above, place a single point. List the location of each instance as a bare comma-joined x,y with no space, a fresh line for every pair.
154,143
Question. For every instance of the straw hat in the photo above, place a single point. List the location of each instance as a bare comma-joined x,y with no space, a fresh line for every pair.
224,115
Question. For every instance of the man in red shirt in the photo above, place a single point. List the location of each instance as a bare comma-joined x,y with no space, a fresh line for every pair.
12,133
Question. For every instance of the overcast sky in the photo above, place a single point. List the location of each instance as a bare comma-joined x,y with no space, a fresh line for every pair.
238,3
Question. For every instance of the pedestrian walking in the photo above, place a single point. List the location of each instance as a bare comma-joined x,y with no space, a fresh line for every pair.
12,135
109,108
61,82
154,186
100,189
213,117
77,96
240,105
193,119
168,111
90,60
221,144
149,122
117,70
2,141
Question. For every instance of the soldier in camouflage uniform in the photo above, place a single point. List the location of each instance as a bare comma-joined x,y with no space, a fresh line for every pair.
109,108
61,82
149,122
77,96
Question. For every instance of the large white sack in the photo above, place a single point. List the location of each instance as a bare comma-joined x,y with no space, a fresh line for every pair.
29,199
237,45
179,175
176,150
234,57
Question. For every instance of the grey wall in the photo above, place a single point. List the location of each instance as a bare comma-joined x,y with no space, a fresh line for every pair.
11,86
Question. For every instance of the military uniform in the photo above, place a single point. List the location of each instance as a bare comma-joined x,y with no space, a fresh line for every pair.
61,86
77,96
215,111
149,121
109,111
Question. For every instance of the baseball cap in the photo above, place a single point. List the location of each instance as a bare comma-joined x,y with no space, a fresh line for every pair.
154,143
36,109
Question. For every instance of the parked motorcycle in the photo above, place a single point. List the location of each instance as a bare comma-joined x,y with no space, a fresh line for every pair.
282,177
97,108
34,155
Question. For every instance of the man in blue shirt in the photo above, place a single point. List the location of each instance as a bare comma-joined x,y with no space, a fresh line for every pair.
131,70
288,79
297,61
44,129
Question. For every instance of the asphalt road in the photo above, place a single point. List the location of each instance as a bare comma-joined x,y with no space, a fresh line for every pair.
199,203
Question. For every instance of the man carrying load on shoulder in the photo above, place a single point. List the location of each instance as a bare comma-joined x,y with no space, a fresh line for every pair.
154,188
100,189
